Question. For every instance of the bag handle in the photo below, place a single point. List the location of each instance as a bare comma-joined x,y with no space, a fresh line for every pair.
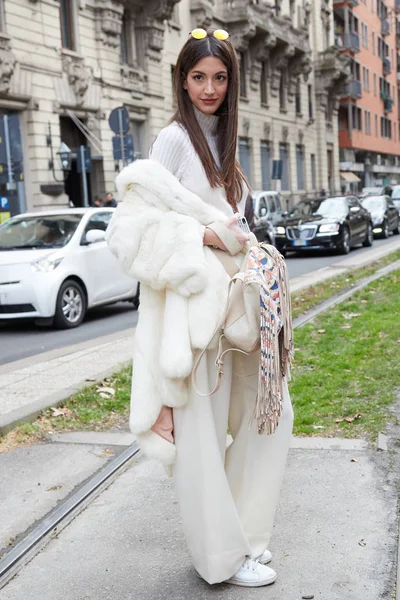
221,353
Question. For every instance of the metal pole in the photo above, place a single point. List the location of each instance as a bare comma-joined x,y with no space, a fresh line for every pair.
84,180
8,151
121,133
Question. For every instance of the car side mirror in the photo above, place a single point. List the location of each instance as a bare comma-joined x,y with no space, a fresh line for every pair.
285,213
263,212
95,235
354,209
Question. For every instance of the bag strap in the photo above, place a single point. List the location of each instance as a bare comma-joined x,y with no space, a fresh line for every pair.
221,353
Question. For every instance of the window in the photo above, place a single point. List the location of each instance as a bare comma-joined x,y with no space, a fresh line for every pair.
243,82
265,166
313,173
300,167
283,155
67,23
364,35
376,125
245,157
130,54
373,43
357,117
367,121
375,87
298,98
310,103
99,221
264,83
366,79
2,16
386,128
282,91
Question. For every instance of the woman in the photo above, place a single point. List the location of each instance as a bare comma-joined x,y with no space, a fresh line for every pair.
178,207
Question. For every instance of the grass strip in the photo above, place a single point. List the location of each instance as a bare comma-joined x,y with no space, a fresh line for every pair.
96,410
304,300
347,368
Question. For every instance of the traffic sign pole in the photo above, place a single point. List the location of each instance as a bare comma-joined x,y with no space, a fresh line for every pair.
84,178
121,133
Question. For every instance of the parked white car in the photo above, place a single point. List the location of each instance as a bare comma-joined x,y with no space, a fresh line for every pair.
57,265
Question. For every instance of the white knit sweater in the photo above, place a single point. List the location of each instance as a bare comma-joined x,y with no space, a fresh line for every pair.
174,150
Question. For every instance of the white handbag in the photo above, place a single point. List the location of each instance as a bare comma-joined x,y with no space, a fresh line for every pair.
257,316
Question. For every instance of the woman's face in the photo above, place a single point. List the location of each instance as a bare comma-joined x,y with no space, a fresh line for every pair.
207,84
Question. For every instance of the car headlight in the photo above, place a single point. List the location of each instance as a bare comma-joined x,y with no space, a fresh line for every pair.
329,228
279,230
45,265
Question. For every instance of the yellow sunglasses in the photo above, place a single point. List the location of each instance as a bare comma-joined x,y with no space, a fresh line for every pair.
200,34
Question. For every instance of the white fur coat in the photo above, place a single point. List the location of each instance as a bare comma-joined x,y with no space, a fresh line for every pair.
156,233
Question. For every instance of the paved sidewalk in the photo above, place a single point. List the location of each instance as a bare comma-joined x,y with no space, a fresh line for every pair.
32,384
335,537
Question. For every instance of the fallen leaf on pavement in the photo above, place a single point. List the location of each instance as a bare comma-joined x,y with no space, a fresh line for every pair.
354,460
347,370
61,412
107,390
362,543
308,597
351,315
349,419
90,379
108,452
339,420
321,330
347,326
364,301
54,488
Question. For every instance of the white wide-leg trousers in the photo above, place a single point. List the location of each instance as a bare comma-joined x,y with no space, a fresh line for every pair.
227,497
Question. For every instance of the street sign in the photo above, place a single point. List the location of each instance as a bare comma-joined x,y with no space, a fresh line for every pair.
276,169
4,203
119,120
85,155
123,148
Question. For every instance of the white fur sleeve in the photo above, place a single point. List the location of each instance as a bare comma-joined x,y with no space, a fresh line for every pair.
162,249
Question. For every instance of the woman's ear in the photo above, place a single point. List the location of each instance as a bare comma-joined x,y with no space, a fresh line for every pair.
184,84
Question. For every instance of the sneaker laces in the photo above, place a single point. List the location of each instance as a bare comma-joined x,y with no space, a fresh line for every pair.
251,564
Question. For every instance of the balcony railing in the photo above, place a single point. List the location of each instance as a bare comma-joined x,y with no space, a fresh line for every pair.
385,29
387,67
348,41
388,105
353,89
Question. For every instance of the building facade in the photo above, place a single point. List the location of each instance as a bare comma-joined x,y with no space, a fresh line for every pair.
368,32
66,64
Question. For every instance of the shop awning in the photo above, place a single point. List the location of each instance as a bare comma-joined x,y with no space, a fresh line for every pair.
349,177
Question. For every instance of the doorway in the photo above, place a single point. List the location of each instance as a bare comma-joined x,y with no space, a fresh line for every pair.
74,138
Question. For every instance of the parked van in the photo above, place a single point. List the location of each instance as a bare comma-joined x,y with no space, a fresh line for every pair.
396,197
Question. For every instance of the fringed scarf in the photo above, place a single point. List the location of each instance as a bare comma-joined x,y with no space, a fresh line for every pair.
267,269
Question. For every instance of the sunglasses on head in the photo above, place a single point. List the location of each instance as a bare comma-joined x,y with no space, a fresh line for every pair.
200,34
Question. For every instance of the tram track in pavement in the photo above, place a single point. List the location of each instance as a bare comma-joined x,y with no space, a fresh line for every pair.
59,518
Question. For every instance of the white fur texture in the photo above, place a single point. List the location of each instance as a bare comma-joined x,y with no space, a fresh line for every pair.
156,234
156,447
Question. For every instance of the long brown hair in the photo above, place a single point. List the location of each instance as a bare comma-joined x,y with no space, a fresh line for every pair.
230,176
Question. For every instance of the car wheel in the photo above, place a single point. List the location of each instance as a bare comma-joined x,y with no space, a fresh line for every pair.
369,238
385,230
344,246
70,306
396,231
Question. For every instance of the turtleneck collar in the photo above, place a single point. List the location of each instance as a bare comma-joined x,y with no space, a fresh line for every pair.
208,123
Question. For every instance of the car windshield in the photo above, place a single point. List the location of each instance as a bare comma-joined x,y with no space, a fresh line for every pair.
52,231
332,207
302,209
374,203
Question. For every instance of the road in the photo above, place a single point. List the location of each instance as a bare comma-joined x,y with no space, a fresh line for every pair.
19,340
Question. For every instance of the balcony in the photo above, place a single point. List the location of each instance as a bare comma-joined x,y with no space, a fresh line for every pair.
387,67
385,28
348,41
353,90
388,105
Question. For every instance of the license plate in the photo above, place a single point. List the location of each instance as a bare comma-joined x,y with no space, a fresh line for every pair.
299,243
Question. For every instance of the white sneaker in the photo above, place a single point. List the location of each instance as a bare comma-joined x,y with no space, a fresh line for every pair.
265,557
253,574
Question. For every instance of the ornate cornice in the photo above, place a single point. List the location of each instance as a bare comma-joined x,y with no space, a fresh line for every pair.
109,21
332,73
7,66
78,75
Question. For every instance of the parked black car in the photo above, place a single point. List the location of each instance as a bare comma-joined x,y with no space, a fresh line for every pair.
333,223
385,217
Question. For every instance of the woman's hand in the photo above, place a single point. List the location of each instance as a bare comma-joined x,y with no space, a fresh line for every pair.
212,239
232,225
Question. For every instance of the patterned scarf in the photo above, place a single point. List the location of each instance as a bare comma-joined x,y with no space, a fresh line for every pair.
267,269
